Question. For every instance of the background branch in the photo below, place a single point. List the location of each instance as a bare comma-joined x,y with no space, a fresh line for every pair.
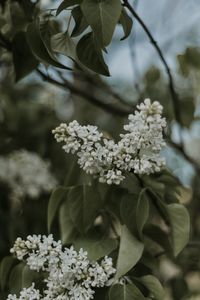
113,109
174,96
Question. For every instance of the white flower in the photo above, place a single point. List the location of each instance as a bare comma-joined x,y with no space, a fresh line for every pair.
26,174
137,150
27,294
70,274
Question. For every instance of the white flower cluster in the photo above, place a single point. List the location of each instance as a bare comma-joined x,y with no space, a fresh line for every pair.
27,294
70,274
137,150
26,174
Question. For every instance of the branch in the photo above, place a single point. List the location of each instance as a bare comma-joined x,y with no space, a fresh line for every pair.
181,150
86,95
174,96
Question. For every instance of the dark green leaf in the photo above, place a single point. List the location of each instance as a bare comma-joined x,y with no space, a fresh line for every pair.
38,47
55,201
63,44
96,248
80,22
142,212
132,184
125,292
154,286
85,204
68,231
15,280
179,288
180,226
128,211
130,251
5,268
102,16
65,4
156,234
23,59
29,276
90,56
127,24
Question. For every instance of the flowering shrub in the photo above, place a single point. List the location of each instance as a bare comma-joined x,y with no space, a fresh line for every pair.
114,219
120,211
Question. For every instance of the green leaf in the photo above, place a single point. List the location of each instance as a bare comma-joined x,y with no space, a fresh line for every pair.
29,276
179,288
142,212
38,47
187,110
5,268
55,201
63,44
15,280
130,251
65,4
84,205
68,231
128,212
154,286
127,24
156,234
80,22
96,248
125,292
90,56
23,59
132,184
103,17
180,226
101,293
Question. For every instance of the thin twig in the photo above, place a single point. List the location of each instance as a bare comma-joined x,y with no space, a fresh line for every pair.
86,95
174,96
131,43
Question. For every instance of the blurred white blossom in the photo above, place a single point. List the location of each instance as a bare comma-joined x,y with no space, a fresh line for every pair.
137,150
26,174
70,274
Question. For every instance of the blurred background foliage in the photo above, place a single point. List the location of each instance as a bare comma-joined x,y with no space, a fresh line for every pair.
31,108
